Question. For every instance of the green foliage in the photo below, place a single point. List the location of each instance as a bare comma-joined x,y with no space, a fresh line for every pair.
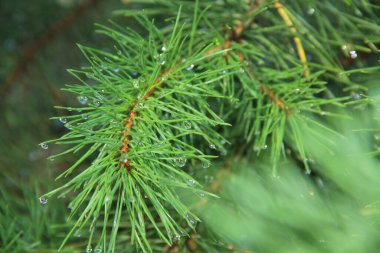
165,119
335,209
190,81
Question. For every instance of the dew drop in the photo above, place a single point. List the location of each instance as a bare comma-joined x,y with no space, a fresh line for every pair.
142,80
356,96
209,179
176,238
180,161
223,152
212,146
136,83
353,54
116,70
82,100
85,116
77,233
191,219
190,67
242,70
162,62
63,120
163,49
132,199
206,164
187,125
202,195
98,250
44,145
191,182
169,233
311,11
43,201
88,250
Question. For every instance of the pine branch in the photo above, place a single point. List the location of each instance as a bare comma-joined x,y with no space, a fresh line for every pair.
152,105
153,169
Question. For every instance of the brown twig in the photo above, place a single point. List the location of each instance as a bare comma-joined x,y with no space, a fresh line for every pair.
133,114
33,48
300,50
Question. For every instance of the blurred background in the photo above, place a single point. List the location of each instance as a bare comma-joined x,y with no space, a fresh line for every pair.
37,44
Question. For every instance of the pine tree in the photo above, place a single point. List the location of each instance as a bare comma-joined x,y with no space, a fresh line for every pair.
268,96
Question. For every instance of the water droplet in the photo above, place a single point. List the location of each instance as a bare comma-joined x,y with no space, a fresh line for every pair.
88,250
242,70
191,182
176,238
191,219
63,120
180,161
202,195
98,250
223,152
82,100
206,164
106,199
77,233
187,125
170,233
136,83
209,179
163,49
356,96
43,201
142,80
116,70
97,103
85,116
212,146
44,145
353,54
224,72
311,11
163,62
132,199
265,146
190,67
